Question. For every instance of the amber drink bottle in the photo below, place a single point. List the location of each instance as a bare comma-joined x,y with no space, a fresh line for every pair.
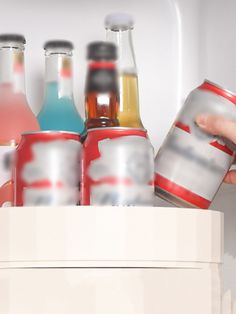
102,94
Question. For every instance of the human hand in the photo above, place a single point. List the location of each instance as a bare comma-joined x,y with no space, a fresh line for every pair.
218,125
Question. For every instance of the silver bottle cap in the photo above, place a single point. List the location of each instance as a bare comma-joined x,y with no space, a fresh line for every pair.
119,22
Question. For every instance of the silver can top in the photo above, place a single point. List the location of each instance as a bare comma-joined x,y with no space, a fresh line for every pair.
117,128
49,132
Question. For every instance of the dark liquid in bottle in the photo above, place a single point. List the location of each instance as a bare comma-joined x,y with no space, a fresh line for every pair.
102,110
102,97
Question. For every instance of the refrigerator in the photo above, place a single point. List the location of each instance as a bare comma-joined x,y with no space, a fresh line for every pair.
178,43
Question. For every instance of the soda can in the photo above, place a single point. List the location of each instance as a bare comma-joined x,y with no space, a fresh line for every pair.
7,151
47,169
191,164
117,168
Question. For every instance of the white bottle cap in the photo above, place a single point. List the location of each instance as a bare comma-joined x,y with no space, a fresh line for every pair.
119,21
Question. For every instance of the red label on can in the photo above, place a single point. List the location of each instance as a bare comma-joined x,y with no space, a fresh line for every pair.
117,168
47,169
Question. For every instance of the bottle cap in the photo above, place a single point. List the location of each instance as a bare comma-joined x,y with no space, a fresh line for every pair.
119,22
101,51
12,38
58,44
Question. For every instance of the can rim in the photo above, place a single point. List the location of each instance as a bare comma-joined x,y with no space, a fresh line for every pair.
49,132
116,128
219,86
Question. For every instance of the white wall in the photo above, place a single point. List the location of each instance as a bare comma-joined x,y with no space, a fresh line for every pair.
178,43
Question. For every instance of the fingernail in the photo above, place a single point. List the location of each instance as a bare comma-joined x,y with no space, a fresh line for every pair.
201,120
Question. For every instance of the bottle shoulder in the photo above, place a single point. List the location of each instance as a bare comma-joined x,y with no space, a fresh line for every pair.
60,116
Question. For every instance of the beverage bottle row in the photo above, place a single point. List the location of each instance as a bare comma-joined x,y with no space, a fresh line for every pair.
107,103
125,110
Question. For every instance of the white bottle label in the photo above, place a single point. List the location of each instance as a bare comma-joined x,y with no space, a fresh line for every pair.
6,155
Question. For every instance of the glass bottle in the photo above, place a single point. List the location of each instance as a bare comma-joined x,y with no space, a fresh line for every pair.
101,95
58,112
16,116
119,31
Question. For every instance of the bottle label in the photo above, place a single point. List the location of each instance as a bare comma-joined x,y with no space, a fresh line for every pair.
102,81
6,156
66,67
18,62
12,69
65,77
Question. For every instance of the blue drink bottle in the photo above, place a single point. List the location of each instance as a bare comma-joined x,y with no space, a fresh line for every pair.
59,112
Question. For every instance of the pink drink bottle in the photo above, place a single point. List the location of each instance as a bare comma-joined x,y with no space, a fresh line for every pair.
15,114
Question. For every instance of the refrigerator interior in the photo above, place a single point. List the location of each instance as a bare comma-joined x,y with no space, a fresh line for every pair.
178,43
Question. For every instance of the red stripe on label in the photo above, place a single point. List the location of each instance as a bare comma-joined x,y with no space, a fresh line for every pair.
112,181
223,148
182,126
217,90
181,192
45,184
102,65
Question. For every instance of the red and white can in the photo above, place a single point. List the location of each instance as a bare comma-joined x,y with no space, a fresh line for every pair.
117,168
47,169
191,164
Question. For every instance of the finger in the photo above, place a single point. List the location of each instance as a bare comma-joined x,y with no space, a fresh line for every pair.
230,178
218,125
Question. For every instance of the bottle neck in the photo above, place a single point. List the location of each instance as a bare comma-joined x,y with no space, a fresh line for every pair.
124,43
12,73
58,77
128,113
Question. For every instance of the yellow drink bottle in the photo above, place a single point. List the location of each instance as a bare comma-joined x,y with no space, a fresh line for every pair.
119,31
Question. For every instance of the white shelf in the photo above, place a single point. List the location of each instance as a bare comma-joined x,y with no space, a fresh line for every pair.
109,236
110,260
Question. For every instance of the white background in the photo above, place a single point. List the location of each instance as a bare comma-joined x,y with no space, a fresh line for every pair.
178,43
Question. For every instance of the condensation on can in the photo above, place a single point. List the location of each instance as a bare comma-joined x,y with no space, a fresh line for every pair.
117,168
47,169
191,164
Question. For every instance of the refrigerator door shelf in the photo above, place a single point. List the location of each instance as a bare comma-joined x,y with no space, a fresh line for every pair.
110,237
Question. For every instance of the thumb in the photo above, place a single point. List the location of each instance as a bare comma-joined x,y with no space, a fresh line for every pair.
217,125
